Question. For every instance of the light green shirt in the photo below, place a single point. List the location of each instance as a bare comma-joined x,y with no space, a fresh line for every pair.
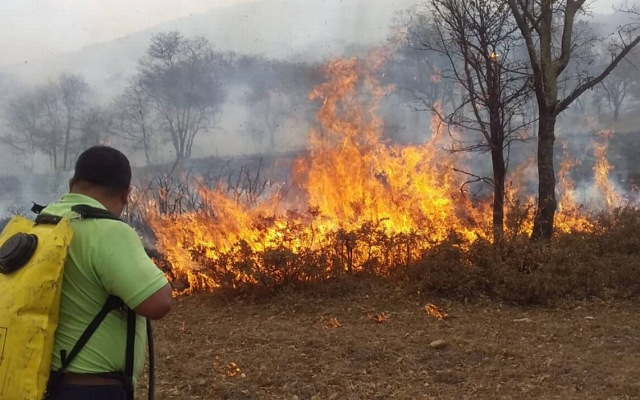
105,257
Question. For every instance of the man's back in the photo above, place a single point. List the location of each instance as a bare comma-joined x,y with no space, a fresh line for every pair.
106,257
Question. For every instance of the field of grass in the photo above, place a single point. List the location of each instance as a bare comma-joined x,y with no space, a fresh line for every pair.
371,339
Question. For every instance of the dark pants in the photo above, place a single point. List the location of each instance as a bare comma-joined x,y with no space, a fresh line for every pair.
81,392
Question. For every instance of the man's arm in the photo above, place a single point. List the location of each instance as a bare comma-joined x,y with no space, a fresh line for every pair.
126,271
158,305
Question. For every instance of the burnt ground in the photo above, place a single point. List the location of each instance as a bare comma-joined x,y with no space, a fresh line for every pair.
290,348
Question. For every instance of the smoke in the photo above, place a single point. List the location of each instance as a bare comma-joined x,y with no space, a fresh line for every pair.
293,39
19,192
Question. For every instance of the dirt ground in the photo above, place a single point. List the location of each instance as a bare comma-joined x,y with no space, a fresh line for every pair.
338,345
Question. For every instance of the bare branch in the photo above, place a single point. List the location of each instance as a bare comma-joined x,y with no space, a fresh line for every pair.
591,82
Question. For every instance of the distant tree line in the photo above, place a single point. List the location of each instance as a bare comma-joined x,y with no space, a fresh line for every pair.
176,94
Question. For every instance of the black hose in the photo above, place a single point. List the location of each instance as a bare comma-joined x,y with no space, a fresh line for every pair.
152,363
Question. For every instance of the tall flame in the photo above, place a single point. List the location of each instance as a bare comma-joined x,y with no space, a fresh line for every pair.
602,169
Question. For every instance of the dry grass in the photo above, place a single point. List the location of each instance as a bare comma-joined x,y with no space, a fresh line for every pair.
368,337
289,347
604,264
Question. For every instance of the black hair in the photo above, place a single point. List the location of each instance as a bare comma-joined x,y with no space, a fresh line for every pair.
103,166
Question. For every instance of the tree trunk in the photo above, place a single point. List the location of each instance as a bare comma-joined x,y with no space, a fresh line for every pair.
497,136
181,148
499,172
272,139
544,218
599,114
67,139
272,127
179,155
145,141
146,154
616,111
65,152
146,146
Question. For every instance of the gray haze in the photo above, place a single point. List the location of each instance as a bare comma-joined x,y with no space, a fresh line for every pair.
285,29
32,30
103,42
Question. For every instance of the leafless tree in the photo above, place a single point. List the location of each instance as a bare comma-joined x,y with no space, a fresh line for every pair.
134,120
480,43
268,98
47,118
617,87
53,124
96,127
540,23
278,93
181,78
23,115
72,91
415,71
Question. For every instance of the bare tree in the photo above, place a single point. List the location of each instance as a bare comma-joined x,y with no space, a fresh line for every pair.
50,139
414,70
268,99
96,126
540,22
480,43
24,119
278,92
47,118
617,87
72,91
134,119
181,78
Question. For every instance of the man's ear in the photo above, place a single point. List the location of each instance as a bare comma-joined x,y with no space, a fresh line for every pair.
70,184
125,196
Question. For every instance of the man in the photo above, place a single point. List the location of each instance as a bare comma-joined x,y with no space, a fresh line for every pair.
106,257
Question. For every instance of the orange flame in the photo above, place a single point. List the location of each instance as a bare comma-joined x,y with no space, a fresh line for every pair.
602,169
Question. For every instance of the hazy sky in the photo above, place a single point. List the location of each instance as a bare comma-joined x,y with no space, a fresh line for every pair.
32,29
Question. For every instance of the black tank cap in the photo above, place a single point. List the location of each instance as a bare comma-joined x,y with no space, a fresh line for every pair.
17,251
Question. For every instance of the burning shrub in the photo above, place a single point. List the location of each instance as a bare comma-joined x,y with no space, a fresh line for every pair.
356,204
602,264
605,263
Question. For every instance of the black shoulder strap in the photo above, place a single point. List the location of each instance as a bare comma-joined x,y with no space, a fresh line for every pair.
112,303
37,208
83,210
88,212
45,219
